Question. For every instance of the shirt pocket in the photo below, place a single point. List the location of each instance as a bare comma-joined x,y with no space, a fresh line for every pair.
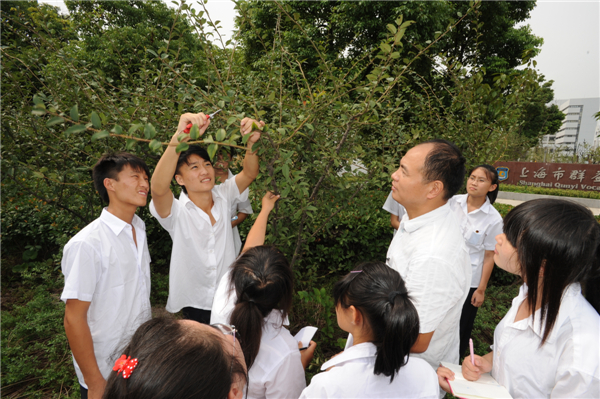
476,238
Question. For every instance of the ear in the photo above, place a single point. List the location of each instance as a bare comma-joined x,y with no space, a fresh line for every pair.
436,188
492,188
237,389
356,316
109,184
179,180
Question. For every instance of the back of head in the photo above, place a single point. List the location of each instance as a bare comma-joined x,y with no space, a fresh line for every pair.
109,165
184,158
263,281
557,241
492,175
445,163
379,293
175,361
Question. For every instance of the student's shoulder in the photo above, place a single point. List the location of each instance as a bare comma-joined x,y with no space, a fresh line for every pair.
90,235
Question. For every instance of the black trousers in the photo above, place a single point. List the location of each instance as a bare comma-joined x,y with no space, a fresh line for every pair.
199,315
467,318
83,391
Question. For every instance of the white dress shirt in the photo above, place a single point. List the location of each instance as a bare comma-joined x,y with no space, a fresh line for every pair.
566,366
485,224
244,207
392,206
352,376
102,265
430,254
201,252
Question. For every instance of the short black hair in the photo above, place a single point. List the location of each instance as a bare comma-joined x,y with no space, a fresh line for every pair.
110,165
184,157
175,362
445,163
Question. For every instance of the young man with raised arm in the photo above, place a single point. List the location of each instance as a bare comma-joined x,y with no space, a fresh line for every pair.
429,250
107,272
199,222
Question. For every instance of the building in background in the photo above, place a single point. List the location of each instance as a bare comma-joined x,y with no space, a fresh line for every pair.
579,129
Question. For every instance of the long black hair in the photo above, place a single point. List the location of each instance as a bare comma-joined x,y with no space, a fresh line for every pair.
263,281
379,293
558,241
491,174
175,362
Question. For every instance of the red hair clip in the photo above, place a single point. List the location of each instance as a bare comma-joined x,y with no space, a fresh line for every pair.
126,365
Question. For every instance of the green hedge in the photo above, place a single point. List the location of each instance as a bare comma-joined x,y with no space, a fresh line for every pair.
549,191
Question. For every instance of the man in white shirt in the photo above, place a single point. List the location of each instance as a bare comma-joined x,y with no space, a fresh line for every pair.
107,272
199,222
429,250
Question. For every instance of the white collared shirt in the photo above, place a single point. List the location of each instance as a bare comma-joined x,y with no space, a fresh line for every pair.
566,366
244,207
201,252
430,254
102,265
352,376
485,224
392,206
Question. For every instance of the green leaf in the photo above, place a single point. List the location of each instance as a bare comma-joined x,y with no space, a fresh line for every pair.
152,52
55,121
149,131
181,136
117,129
75,113
38,175
134,128
245,138
100,135
37,100
38,112
195,132
155,145
212,150
286,171
221,134
231,121
130,144
391,28
75,129
281,130
182,147
395,55
209,139
96,120
459,14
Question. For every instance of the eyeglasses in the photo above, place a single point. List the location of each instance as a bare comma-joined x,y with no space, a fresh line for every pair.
228,330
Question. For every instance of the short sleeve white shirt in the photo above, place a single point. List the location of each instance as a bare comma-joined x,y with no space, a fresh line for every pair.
244,207
201,252
392,206
277,371
430,254
352,376
102,265
566,366
485,224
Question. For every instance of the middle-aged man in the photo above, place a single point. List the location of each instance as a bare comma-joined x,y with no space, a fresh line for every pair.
429,250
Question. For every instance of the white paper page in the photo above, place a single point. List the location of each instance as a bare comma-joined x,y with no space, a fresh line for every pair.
305,335
484,379
485,387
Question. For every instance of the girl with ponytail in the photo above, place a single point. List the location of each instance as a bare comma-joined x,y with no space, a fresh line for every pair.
483,223
255,296
373,305
548,343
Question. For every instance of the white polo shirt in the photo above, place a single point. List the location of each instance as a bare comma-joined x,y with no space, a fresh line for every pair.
392,206
430,254
485,224
352,376
102,265
566,366
201,252
244,207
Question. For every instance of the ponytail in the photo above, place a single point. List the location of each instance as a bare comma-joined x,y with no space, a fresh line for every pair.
263,281
379,293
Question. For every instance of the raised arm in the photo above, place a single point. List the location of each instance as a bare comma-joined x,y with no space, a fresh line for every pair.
165,169
250,167
256,236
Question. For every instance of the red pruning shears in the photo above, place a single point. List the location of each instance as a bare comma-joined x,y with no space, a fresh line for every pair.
189,125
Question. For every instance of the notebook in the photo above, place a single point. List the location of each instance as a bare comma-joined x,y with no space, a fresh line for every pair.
485,387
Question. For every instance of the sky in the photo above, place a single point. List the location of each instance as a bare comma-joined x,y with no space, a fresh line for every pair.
570,54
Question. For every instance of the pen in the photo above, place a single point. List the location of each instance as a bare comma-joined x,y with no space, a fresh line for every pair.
471,348
234,218
189,125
